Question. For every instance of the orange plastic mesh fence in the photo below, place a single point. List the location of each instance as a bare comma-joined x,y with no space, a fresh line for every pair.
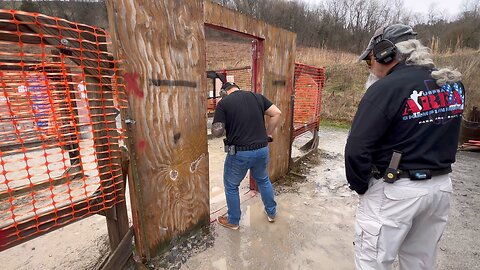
240,76
472,143
309,82
60,97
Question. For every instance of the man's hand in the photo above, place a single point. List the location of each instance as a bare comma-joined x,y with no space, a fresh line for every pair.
217,129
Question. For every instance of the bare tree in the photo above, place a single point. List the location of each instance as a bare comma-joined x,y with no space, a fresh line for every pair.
349,24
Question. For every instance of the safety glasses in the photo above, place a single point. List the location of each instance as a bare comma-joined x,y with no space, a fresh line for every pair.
368,60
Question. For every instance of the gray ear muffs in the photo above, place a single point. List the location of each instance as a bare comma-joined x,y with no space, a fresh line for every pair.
384,51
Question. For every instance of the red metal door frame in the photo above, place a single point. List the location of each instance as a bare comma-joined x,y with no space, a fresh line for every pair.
257,66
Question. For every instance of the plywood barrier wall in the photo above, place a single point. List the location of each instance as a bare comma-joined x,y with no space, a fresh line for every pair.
162,44
276,73
163,47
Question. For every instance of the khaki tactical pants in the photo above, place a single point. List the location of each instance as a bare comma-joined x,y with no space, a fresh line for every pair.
406,218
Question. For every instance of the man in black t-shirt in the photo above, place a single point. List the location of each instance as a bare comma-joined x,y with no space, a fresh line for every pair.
415,110
241,114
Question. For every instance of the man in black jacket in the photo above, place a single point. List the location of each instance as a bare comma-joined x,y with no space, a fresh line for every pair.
414,110
241,114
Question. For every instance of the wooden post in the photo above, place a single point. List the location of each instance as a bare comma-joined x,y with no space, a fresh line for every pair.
117,217
162,44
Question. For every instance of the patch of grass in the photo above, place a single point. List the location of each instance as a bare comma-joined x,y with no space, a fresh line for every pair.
335,123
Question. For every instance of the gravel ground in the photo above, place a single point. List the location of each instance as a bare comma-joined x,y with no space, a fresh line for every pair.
313,230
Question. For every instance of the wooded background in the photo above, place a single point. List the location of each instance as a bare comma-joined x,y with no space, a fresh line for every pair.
345,25
340,29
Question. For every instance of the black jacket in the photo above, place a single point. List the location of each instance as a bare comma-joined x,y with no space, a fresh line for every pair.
405,111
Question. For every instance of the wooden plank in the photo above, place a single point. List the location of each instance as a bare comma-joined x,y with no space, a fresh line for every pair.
162,44
132,172
117,217
117,223
121,254
276,72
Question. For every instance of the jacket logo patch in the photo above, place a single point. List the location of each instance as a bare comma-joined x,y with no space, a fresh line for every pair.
435,105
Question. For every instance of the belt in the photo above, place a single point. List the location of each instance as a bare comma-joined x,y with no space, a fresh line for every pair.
416,175
425,174
251,147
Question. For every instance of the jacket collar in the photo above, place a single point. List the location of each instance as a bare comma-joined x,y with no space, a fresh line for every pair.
399,66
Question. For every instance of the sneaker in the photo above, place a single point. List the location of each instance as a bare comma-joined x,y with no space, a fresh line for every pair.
271,219
224,222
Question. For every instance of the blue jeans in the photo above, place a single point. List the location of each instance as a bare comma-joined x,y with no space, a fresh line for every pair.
235,169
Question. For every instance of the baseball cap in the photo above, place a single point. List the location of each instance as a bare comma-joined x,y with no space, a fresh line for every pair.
228,85
395,33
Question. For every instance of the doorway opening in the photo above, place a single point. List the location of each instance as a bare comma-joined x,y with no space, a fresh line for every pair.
232,57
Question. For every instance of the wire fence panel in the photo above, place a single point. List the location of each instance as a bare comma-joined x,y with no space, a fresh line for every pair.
309,82
61,92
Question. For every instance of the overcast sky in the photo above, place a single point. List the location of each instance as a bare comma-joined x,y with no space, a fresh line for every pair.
452,7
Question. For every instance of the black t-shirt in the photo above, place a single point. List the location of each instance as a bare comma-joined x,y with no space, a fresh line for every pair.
242,112
408,112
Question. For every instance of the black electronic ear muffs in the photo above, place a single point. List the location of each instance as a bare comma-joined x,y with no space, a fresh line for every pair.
225,87
384,50
222,93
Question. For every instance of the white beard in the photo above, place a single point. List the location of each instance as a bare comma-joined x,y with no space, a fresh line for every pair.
371,80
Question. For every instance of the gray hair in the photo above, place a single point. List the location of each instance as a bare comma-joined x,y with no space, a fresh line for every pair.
414,53
446,76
